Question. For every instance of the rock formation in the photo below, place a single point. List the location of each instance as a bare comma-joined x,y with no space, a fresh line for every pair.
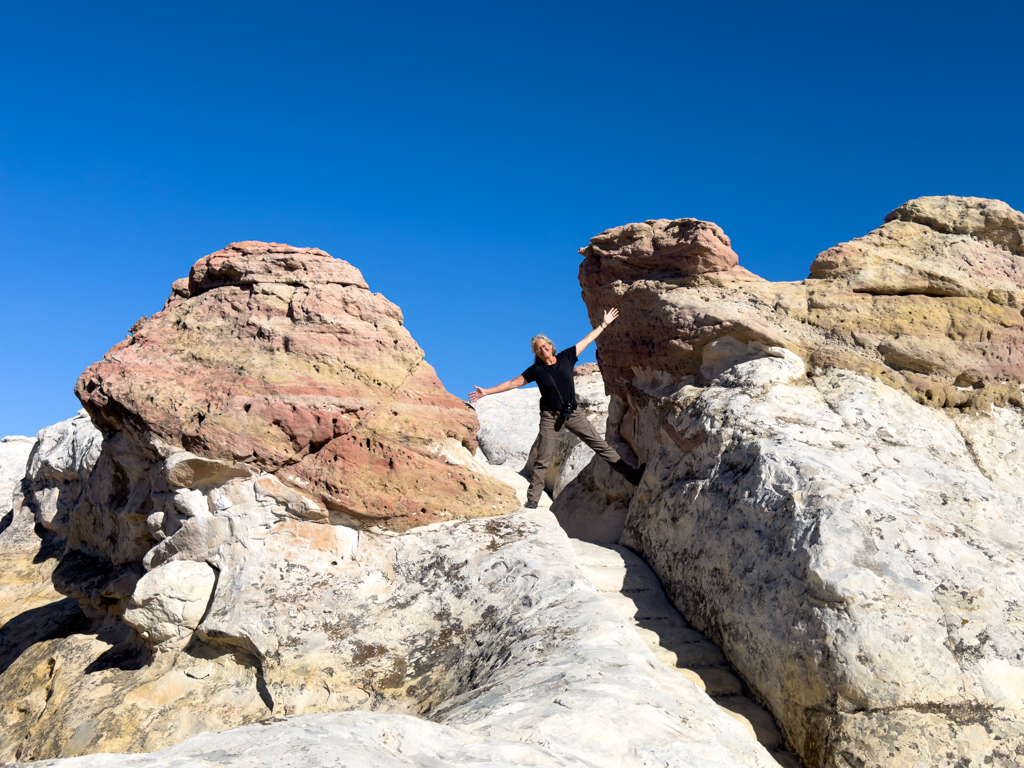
282,359
14,452
930,302
284,518
833,491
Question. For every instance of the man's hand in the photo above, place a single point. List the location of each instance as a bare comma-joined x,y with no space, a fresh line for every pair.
610,315
476,394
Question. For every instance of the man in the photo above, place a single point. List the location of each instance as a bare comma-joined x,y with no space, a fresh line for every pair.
554,376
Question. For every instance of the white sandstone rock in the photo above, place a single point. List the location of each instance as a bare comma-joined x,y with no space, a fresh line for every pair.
169,602
14,453
485,624
509,423
855,555
61,461
349,739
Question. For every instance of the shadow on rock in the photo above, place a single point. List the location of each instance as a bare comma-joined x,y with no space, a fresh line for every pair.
58,619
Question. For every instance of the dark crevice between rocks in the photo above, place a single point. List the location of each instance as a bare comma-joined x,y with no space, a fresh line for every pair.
262,689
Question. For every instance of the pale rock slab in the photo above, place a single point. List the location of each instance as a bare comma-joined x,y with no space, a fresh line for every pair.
483,624
169,602
351,739
853,553
14,453
509,423
508,426
61,461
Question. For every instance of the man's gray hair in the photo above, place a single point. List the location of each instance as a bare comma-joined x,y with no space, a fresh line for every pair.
537,340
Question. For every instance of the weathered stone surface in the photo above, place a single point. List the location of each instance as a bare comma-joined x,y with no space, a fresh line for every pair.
221,585
351,739
168,602
509,426
62,459
853,552
850,554
659,248
14,452
930,302
281,358
481,624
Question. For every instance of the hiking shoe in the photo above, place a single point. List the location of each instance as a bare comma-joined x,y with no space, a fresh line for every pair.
638,474
530,505
633,476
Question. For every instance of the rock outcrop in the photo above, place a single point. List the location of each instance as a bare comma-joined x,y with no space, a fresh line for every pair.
930,302
14,452
281,359
852,549
285,518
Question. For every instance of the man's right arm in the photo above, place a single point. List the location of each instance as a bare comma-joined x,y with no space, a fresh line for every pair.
479,392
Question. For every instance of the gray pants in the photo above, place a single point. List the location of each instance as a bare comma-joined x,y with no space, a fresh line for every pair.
579,426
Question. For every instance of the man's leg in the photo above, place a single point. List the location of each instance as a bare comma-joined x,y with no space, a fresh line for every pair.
545,449
580,426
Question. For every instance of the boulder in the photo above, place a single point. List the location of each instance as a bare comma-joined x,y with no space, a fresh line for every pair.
280,358
509,424
509,420
813,500
168,602
931,303
61,461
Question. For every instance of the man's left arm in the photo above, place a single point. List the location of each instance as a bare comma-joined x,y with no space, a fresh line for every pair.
609,316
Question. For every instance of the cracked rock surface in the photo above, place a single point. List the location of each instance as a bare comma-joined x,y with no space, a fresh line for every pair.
852,549
459,641
282,359
284,519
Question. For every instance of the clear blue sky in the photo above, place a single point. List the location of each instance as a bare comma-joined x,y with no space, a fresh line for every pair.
460,153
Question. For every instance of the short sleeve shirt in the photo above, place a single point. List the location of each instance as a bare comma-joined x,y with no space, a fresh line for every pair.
555,381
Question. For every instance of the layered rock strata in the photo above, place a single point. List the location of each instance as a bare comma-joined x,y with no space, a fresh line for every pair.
853,551
281,359
930,302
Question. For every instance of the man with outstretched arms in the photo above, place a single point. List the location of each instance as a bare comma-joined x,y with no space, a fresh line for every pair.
554,376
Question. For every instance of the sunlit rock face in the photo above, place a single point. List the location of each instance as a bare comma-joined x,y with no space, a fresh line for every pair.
281,359
510,423
852,548
930,302
284,517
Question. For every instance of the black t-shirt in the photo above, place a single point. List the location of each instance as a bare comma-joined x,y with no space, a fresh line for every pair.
555,381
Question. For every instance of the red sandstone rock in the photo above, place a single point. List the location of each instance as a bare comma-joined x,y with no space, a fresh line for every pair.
930,302
659,249
281,358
